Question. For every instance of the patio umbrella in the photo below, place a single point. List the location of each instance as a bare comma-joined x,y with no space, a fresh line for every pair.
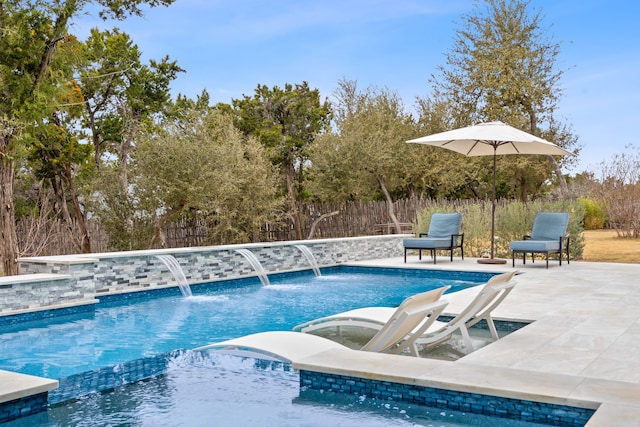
491,139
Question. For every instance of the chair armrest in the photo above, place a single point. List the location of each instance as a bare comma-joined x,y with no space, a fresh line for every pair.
423,234
526,237
461,239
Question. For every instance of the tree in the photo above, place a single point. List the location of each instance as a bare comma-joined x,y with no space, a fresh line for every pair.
201,164
367,153
618,191
287,122
503,67
31,34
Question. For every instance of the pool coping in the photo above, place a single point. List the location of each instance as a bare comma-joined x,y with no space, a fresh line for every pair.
552,360
16,385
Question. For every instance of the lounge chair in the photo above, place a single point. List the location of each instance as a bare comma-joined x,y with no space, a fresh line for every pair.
444,234
548,236
489,297
403,327
364,317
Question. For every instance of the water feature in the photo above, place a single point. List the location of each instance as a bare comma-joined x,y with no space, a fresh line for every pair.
255,263
174,267
309,256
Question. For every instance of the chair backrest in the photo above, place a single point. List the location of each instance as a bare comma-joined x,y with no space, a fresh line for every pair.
423,298
489,297
405,323
444,224
549,225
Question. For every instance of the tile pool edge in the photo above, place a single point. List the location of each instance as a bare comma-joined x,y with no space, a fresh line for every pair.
503,407
422,377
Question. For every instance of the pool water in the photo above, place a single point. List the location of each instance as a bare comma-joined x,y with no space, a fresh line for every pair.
207,389
124,329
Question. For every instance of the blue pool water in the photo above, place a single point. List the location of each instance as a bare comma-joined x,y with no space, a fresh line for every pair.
122,329
208,389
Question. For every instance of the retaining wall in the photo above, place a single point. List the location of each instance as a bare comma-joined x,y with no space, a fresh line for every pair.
47,283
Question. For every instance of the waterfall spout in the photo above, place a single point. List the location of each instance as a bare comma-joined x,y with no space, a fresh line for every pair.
178,274
253,260
309,256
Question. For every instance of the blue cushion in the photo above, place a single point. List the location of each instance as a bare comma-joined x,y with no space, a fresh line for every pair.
427,243
535,245
550,225
444,224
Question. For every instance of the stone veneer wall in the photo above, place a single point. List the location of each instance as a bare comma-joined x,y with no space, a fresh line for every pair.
50,282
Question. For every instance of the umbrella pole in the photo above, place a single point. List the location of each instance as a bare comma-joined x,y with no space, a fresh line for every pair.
492,260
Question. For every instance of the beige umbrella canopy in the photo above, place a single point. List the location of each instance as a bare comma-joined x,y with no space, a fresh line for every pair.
491,139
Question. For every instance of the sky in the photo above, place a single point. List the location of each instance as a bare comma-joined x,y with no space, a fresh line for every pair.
229,47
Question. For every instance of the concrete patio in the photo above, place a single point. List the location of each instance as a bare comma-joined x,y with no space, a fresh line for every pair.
581,348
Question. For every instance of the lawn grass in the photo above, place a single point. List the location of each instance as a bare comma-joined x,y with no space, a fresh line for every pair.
606,246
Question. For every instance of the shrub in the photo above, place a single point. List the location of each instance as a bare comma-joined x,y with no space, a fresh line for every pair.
593,214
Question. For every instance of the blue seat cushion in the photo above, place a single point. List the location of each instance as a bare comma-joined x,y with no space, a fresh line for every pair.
427,242
535,245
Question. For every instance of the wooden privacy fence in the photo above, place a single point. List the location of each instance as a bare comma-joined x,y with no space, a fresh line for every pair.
328,220
353,219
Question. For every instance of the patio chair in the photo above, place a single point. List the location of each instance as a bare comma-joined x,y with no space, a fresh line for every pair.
444,234
489,297
400,331
548,236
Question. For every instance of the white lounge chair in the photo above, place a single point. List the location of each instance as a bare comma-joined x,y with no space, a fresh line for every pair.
403,327
365,317
489,297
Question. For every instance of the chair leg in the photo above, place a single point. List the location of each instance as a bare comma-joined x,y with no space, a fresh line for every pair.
420,254
547,260
513,259
492,328
433,254
405,255
466,338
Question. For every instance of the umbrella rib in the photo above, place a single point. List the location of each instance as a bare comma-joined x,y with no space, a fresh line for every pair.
475,143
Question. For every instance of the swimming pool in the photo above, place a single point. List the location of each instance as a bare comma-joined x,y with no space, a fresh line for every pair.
205,389
138,325
135,336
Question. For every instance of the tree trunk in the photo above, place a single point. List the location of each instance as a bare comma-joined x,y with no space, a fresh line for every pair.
8,238
389,201
289,175
317,221
85,243
159,239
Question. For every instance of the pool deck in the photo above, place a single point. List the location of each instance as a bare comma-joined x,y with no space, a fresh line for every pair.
581,349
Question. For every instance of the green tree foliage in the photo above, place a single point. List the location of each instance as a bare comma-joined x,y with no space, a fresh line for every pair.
31,33
201,164
503,67
287,122
122,95
367,153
